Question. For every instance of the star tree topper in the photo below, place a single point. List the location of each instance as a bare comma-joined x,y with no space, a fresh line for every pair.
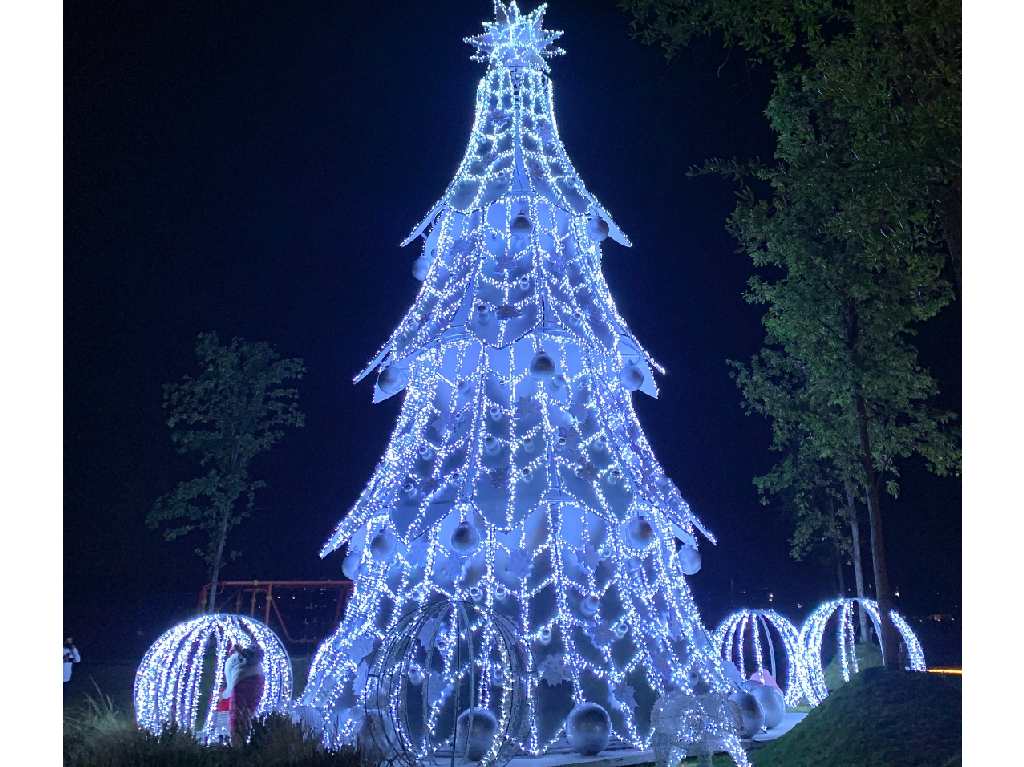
515,40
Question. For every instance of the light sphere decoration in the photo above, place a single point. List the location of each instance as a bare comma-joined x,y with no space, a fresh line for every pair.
812,635
170,679
769,640
588,728
415,710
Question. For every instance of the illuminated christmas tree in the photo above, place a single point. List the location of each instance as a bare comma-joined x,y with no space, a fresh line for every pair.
518,481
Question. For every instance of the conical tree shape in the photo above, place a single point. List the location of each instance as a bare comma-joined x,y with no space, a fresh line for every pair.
518,479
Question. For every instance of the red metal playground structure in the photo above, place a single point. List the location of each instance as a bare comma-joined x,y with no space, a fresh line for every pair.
301,612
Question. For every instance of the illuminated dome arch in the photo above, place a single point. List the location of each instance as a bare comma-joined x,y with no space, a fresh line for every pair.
752,629
812,635
170,681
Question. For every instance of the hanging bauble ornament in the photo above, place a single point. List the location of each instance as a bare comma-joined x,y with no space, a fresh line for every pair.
409,488
500,591
465,538
542,366
698,686
749,716
476,729
351,566
772,703
587,728
483,312
620,629
475,593
494,412
492,445
639,533
631,376
689,560
524,283
421,267
383,546
598,228
392,380
589,606
415,676
521,225
544,635
425,451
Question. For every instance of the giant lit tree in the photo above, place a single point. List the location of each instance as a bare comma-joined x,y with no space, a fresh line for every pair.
518,479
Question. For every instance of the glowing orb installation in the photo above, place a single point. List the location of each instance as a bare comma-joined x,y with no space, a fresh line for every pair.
754,634
174,674
812,635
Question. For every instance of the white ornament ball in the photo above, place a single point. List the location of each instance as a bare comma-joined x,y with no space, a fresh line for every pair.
589,606
587,728
392,380
420,268
465,538
521,225
772,703
542,366
383,546
639,533
415,676
749,716
477,728
689,560
631,376
350,567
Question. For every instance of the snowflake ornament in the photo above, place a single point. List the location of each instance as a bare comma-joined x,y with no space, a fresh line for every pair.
514,40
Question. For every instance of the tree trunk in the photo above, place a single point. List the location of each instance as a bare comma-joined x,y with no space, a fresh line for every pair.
840,580
858,566
890,639
218,558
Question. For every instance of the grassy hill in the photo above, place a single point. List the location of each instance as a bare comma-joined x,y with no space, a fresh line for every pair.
879,719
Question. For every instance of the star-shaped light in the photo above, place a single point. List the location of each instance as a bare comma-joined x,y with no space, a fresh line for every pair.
514,40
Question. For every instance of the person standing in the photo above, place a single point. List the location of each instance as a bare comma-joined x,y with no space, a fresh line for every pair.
71,657
246,690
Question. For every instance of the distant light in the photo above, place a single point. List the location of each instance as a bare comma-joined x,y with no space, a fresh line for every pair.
947,671
896,594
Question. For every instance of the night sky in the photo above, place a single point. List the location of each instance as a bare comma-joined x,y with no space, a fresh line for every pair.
250,168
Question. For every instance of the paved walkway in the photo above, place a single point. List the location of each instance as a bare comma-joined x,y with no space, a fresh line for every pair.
631,757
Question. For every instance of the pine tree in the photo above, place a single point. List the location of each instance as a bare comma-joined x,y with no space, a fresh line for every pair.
518,479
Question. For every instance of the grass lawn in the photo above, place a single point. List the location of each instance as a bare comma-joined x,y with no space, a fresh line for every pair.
879,719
